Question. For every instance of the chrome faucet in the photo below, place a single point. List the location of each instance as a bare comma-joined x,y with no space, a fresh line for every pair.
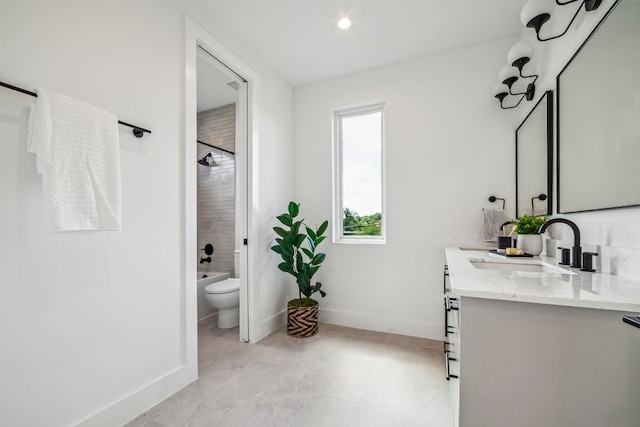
577,250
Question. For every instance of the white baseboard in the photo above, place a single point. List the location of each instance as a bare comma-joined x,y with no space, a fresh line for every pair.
381,323
270,325
141,400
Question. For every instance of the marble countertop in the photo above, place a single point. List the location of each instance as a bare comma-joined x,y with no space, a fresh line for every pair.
558,285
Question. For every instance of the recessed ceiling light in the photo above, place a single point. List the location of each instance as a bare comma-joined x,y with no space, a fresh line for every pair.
344,23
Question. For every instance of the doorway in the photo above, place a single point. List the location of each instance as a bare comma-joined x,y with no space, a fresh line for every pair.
235,76
221,175
219,110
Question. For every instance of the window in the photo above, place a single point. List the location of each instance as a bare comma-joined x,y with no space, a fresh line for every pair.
359,175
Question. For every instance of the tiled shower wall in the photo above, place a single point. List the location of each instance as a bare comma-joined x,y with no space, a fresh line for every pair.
216,188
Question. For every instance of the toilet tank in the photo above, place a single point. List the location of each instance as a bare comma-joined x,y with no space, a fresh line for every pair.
236,263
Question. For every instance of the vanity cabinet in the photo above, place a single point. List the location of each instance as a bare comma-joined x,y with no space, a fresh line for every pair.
452,356
532,365
451,343
540,346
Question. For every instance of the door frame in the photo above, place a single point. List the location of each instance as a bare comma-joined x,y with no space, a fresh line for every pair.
246,173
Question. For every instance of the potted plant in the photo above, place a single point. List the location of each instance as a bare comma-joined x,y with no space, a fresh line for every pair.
529,238
297,244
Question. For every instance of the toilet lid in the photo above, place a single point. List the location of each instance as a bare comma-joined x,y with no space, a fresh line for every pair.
223,287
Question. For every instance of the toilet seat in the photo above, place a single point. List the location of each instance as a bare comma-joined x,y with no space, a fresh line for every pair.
223,287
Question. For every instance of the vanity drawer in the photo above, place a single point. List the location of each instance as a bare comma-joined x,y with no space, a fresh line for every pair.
451,365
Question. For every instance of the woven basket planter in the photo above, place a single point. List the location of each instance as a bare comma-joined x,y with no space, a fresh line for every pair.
302,322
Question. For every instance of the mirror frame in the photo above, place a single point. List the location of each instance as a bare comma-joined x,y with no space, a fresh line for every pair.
548,96
558,81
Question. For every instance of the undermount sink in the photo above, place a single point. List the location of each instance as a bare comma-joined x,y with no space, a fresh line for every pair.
533,267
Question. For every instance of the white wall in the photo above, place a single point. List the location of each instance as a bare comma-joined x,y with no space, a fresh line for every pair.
448,148
92,324
216,189
615,233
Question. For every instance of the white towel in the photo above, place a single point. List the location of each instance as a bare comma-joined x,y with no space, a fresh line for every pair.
78,156
493,219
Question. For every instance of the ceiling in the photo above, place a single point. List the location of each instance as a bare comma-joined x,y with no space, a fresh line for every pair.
301,41
213,90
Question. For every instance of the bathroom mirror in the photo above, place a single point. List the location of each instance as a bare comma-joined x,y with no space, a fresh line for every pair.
534,159
599,117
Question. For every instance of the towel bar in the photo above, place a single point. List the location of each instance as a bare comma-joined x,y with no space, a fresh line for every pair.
494,198
138,132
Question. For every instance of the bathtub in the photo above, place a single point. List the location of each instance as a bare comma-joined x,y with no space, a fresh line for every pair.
211,277
204,309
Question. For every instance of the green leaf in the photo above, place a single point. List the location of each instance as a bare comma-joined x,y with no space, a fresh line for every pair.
308,253
299,239
313,271
285,219
319,240
529,224
304,285
288,258
295,228
281,231
323,294
294,209
322,228
299,262
312,246
301,279
317,287
287,249
306,290
311,234
318,259
286,267
277,249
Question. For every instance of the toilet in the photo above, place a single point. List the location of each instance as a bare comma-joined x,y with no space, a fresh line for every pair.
225,297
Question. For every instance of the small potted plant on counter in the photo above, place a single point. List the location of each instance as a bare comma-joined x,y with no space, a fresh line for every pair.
529,238
297,244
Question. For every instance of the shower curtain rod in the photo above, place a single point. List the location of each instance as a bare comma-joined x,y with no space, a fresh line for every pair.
137,130
217,148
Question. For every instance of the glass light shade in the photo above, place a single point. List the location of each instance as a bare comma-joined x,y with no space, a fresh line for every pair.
499,88
534,8
518,51
506,73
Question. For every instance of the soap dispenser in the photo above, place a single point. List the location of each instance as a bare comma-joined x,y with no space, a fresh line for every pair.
504,241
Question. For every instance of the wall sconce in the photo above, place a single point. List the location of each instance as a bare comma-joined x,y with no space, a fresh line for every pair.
501,91
509,75
519,56
536,13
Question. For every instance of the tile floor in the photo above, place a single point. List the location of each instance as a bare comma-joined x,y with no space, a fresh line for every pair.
340,377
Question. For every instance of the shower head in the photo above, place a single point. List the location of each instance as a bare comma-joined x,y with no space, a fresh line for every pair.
208,160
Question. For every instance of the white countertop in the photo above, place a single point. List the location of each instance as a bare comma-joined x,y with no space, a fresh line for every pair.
582,289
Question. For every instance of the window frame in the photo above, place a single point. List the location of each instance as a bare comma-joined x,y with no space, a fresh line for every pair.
338,208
